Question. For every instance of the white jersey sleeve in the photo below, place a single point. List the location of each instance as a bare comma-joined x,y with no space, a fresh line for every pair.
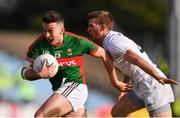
117,42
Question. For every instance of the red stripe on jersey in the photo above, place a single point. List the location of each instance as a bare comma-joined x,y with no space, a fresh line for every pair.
74,61
39,38
82,74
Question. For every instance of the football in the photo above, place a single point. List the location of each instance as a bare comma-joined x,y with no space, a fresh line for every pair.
38,63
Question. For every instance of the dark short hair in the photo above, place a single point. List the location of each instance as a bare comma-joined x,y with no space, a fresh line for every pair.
102,17
52,16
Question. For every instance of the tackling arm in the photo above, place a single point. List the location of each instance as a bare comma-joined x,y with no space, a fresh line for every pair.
135,59
111,70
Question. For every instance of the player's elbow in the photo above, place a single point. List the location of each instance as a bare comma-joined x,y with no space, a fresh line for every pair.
23,73
132,57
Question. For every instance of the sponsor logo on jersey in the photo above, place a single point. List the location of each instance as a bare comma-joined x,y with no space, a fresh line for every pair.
57,54
45,52
68,63
74,61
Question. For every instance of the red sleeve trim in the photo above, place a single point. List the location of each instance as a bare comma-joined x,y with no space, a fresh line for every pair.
93,52
78,36
32,45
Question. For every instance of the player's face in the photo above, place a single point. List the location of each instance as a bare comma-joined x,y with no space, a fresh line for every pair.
53,32
95,30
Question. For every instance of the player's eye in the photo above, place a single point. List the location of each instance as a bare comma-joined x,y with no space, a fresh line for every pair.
50,30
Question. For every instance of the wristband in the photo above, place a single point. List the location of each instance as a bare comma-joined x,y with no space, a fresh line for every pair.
23,73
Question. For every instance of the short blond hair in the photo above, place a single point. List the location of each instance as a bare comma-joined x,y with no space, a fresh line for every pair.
102,17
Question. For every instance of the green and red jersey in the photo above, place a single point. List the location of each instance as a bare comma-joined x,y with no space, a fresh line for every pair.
69,56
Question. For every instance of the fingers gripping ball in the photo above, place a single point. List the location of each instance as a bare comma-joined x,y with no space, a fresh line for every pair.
49,60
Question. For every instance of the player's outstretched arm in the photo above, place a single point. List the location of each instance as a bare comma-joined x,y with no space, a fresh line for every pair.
112,71
168,81
135,59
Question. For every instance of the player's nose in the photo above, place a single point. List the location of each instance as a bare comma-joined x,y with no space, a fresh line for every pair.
47,34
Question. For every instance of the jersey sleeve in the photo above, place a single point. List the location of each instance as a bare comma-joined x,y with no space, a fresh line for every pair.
88,47
33,50
120,44
33,53
117,46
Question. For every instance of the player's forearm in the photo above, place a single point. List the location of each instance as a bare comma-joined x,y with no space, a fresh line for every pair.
29,74
108,65
111,70
113,76
114,81
143,64
149,69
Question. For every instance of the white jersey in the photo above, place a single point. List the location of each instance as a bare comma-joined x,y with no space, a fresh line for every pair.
143,84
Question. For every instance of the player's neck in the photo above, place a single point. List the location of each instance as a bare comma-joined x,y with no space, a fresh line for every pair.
100,42
60,41
105,33
103,37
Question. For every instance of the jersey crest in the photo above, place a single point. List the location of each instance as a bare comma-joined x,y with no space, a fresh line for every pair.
69,51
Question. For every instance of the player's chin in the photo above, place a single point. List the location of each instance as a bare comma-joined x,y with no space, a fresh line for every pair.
52,42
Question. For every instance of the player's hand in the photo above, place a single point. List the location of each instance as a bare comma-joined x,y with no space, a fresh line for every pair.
164,80
47,70
124,87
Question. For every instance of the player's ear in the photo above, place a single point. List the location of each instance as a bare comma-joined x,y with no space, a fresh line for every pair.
103,26
61,27
62,30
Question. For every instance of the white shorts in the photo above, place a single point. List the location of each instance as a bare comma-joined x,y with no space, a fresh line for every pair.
139,103
76,94
159,96
153,93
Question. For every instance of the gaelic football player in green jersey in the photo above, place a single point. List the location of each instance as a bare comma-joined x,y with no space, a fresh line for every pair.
69,85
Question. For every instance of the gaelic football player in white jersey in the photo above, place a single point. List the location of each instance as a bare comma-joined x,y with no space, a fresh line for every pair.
151,88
